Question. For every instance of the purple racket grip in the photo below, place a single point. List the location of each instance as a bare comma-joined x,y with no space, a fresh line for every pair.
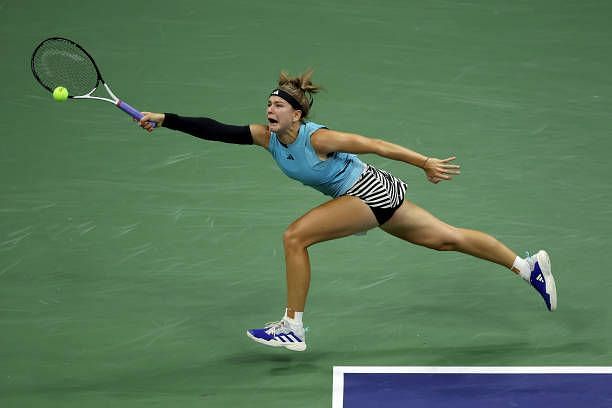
132,111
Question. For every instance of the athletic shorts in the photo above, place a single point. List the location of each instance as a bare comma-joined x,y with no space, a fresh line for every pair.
381,191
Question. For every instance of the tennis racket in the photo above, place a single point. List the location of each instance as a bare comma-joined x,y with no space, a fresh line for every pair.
61,62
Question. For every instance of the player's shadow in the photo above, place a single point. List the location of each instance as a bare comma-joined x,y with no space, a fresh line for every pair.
520,353
281,362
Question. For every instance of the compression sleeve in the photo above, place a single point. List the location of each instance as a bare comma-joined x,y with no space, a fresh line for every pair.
209,129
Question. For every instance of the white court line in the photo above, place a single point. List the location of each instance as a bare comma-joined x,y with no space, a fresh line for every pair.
338,387
339,371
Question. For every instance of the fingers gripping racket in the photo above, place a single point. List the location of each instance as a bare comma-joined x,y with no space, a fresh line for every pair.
61,62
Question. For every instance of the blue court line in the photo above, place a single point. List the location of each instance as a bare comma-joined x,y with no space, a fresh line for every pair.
472,387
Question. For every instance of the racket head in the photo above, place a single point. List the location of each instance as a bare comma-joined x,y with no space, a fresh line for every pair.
59,61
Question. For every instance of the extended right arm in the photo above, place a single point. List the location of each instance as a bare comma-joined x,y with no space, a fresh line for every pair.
208,129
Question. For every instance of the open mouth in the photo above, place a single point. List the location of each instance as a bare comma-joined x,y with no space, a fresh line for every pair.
272,121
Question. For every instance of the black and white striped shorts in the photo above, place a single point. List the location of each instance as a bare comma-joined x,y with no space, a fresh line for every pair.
381,191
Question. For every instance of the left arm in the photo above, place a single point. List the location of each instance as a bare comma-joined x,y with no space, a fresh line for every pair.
327,141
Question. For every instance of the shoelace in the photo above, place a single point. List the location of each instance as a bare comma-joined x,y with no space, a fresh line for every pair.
273,327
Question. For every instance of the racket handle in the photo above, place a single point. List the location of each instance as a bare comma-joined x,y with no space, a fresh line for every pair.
135,113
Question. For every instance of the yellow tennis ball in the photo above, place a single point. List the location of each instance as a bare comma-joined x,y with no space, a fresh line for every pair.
60,94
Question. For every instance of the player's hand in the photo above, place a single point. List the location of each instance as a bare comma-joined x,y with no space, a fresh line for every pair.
158,118
437,170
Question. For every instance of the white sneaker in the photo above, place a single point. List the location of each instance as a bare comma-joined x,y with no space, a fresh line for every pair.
541,278
280,334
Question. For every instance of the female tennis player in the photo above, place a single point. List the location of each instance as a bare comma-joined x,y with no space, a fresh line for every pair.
363,197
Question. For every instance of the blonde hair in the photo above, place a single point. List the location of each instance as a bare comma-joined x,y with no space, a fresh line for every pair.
300,87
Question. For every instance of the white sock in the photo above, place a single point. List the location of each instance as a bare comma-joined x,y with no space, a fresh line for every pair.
523,267
297,318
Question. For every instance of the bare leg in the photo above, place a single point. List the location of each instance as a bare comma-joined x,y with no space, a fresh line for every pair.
337,218
414,224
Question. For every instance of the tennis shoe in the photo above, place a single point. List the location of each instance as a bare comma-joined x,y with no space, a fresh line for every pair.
541,278
280,334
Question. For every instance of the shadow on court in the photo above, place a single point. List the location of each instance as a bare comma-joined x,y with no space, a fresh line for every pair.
294,363
280,362
491,354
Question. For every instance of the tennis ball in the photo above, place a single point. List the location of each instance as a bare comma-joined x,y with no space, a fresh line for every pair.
60,94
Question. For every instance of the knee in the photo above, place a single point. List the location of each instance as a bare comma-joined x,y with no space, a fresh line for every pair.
447,242
446,246
293,238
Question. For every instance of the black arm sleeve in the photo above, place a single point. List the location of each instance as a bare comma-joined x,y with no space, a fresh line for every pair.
209,129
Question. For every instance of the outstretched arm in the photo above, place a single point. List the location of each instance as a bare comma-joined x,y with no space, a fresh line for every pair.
327,141
208,129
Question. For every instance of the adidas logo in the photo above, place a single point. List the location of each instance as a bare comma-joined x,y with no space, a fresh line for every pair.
275,92
540,278
290,157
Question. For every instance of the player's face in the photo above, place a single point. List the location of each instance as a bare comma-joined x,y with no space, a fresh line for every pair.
281,115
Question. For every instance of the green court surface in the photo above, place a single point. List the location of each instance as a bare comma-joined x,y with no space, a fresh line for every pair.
132,264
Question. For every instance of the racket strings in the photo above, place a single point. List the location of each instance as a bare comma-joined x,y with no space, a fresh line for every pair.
58,62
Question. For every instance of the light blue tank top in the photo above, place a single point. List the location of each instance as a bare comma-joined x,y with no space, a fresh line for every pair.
299,161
